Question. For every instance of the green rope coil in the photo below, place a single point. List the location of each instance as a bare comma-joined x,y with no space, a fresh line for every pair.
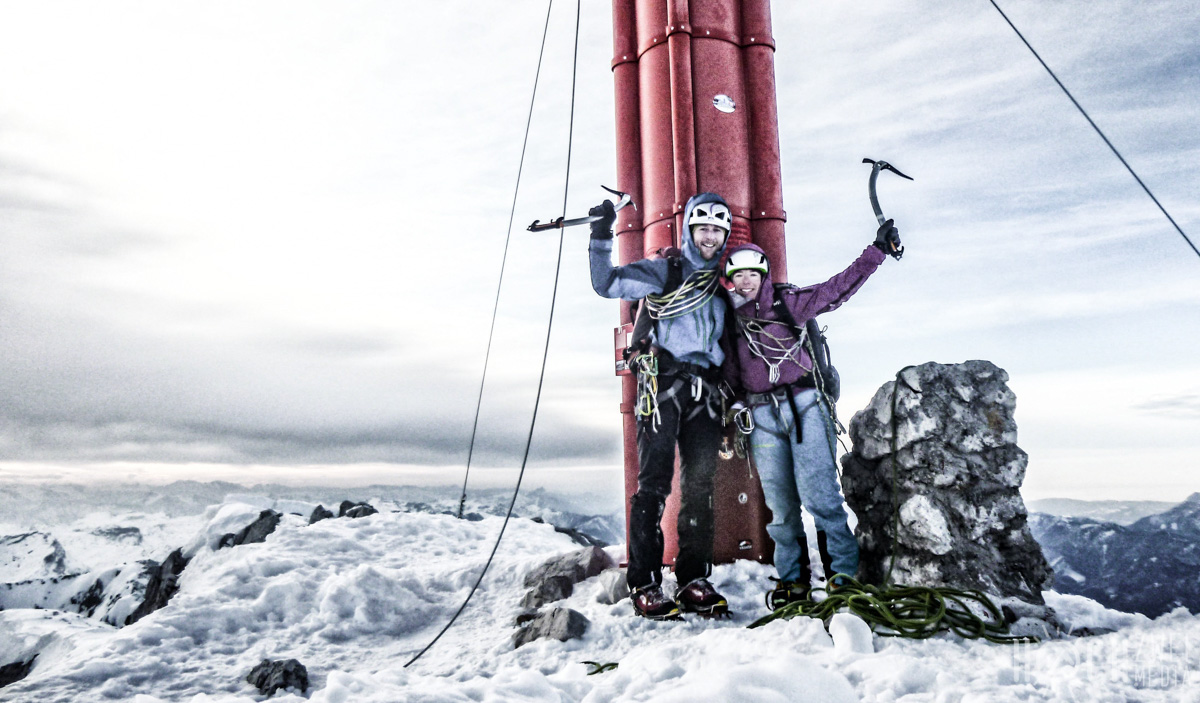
911,612
598,668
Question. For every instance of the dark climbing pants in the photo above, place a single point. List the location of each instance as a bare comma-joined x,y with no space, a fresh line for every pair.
698,433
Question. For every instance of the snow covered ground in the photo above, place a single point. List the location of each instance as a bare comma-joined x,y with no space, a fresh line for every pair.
354,599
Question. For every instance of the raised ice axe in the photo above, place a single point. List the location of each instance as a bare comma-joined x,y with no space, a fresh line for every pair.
876,167
539,226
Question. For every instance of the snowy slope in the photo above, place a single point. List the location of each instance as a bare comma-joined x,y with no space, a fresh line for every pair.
355,599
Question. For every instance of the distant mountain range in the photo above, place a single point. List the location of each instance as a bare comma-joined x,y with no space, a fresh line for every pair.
1151,566
1122,512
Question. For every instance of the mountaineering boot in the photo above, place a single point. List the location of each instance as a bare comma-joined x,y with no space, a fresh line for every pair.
787,592
700,597
650,603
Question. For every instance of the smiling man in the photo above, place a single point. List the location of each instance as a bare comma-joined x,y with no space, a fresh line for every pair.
678,400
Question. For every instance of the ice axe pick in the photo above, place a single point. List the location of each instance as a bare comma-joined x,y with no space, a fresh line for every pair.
559,223
876,167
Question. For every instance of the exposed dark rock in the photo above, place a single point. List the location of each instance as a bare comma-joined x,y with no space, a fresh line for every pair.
561,624
14,672
256,531
955,517
87,601
318,514
129,535
351,509
580,537
271,676
1147,570
472,517
162,586
556,578
549,589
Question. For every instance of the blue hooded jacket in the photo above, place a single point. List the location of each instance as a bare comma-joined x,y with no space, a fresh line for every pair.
692,337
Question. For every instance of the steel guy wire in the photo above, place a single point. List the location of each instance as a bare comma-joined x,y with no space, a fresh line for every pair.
549,328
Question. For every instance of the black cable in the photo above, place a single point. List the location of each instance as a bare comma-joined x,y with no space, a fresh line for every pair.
545,351
1093,124
462,499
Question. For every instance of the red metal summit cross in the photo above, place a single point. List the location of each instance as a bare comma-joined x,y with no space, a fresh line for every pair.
696,112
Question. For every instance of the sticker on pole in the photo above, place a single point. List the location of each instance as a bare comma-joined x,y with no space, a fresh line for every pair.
724,103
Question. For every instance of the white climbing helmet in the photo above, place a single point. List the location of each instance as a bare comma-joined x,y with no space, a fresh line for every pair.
711,214
747,260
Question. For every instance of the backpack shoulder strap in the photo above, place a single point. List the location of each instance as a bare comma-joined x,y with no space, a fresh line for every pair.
674,272
782,313
642,324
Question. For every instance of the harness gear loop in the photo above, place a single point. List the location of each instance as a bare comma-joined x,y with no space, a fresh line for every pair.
646,366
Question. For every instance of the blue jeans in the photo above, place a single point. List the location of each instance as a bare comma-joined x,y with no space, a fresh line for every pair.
793,473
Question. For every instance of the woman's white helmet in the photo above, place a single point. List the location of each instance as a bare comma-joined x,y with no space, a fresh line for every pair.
747,260
711,214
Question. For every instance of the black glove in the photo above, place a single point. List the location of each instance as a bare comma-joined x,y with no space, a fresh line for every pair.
887,238
602,228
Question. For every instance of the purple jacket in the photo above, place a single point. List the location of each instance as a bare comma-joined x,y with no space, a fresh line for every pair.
747,372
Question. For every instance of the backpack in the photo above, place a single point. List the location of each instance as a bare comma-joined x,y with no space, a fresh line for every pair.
643,324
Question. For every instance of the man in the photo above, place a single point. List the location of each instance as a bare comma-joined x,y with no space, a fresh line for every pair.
679,401
792,440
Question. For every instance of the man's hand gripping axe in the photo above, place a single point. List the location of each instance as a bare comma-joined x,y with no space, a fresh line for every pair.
539,226
876,167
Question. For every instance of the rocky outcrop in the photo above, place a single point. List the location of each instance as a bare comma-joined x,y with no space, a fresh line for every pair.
161,587
934,478
351,509
561,624
556,578
14,672
319,513
256,531
280,675
347,508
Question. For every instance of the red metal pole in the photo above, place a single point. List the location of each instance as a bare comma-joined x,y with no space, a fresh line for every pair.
696,111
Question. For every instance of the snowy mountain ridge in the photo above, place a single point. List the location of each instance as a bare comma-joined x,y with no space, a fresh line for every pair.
354,599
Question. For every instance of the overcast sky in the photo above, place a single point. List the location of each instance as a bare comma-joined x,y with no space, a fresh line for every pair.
263,239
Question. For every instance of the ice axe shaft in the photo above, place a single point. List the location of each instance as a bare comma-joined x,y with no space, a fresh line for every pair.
560,223
876,167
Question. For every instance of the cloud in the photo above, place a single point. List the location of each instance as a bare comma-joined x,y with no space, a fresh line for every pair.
289,248
1184,406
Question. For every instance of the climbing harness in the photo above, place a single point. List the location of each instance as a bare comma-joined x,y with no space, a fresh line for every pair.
549,322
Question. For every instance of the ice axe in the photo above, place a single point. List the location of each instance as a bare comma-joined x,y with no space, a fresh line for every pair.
539,226
876,167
